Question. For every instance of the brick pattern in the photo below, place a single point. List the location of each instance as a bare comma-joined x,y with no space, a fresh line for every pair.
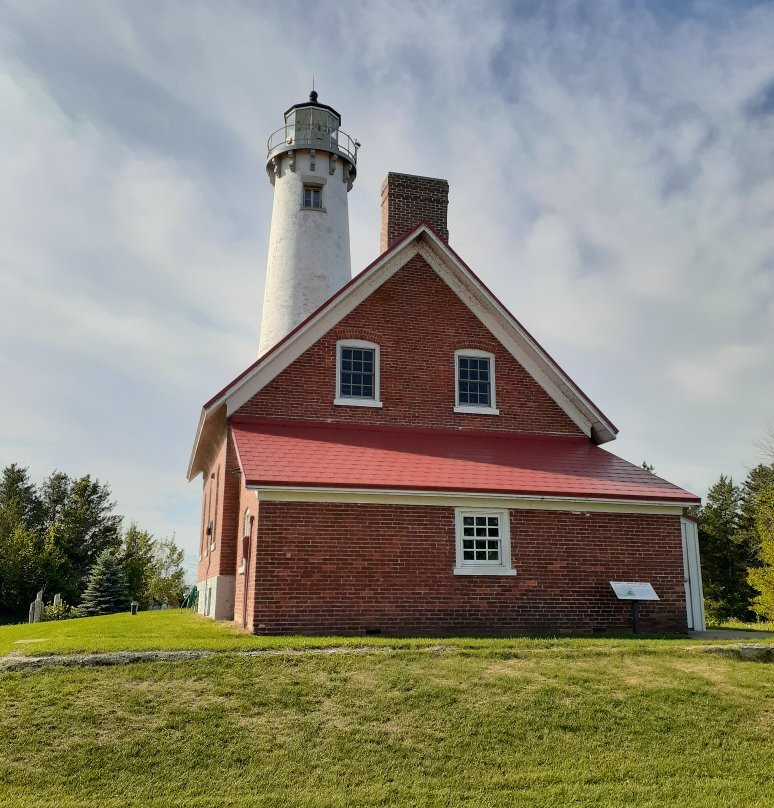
408,200
221,494
342,568
212,510
247,500
418,322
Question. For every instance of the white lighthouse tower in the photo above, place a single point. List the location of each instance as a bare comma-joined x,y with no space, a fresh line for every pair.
311,164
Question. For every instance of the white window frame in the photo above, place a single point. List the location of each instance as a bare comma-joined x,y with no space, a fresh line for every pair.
349,401
313,184
474,408
463,567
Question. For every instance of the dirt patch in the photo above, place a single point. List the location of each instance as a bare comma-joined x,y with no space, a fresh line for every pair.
14,662
18,663
751,653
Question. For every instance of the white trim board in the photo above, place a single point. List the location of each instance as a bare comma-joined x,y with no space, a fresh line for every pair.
434,498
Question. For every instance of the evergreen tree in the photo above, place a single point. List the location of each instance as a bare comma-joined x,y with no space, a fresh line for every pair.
78,522
762,577
725,554
21,548
758,480
17,491
106,590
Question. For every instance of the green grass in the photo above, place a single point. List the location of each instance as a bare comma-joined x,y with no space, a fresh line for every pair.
175,630
524,722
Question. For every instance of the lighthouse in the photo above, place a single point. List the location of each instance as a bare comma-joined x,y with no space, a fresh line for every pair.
312,165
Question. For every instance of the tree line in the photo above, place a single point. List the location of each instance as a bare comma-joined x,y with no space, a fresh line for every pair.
57,535
736,542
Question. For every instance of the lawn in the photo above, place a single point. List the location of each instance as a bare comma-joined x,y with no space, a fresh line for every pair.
538,722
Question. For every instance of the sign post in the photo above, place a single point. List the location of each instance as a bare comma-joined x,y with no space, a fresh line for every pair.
634,592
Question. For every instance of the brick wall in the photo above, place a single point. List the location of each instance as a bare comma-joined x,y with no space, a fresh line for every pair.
247,500
341,568
212,511
408,200
418,322
221,505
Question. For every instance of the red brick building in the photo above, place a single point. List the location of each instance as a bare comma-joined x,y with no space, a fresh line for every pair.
408,460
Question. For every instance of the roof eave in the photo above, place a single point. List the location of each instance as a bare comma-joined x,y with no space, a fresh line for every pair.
689,500
212,423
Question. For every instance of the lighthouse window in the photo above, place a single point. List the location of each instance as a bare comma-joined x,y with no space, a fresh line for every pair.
312,197
357,374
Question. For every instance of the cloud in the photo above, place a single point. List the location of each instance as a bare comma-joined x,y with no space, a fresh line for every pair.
611,180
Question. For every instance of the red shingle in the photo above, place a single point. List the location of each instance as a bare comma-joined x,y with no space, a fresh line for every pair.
274,453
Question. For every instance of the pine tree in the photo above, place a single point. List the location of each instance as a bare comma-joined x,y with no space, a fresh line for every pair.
725,554
22,559
106,590
79,522
758,480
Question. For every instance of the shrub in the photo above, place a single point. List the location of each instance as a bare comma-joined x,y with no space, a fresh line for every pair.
60,612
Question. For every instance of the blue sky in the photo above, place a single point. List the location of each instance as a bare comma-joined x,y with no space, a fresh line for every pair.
611,172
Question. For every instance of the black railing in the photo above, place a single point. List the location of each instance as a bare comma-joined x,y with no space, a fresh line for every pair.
313,136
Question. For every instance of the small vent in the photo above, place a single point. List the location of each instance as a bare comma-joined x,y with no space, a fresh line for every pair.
371,632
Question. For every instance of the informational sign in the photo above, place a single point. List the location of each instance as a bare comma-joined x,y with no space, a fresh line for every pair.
633,590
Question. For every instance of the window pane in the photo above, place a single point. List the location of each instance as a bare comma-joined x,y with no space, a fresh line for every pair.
358,374
473,380
480,540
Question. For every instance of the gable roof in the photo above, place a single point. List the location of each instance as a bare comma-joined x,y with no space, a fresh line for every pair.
277,454
465,284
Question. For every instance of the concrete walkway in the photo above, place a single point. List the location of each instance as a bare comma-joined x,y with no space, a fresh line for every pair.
730,634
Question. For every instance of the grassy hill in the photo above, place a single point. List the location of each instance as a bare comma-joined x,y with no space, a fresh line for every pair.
538,722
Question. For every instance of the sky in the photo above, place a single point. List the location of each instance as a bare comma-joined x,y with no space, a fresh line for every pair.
611,170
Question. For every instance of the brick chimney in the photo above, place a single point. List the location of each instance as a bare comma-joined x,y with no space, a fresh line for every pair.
408,200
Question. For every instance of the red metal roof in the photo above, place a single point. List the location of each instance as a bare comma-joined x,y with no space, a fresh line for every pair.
319,455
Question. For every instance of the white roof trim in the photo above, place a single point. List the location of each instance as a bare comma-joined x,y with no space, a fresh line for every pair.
317,327
456,498
467,287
